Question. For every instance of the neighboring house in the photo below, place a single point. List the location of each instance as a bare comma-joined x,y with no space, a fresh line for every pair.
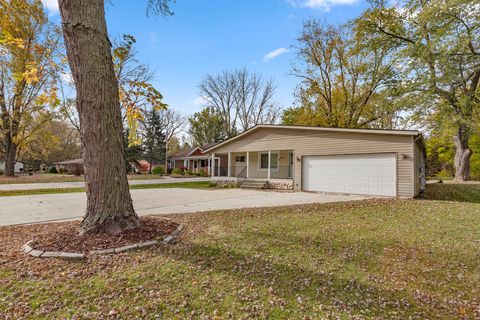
356,161
71,166
196,160
18,166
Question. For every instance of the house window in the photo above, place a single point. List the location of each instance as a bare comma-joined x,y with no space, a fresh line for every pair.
264,161
240,159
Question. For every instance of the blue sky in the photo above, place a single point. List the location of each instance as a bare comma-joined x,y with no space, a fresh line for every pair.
208,36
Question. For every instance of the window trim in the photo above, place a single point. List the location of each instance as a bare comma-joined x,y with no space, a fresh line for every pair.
259,166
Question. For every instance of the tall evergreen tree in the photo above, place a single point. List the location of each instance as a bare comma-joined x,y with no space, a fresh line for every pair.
133,152
153,138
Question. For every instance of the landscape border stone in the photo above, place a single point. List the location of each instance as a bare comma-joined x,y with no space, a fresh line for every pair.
28,249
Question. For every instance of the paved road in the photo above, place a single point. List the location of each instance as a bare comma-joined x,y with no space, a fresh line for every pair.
56,207
80,184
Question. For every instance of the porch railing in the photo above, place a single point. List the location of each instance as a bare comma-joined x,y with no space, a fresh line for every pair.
240,172
282,172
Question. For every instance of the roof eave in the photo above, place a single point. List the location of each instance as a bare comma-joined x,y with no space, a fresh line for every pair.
370,131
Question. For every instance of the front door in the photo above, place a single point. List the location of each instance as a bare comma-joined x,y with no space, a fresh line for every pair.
239,165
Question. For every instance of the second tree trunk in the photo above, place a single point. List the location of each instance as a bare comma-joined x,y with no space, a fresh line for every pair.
462,155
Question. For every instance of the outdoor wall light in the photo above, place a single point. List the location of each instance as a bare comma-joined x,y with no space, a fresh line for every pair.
299,158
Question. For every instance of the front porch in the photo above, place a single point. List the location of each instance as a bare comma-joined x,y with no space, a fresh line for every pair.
198,164
275,167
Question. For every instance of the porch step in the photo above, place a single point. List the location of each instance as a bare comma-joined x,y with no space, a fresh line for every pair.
253,184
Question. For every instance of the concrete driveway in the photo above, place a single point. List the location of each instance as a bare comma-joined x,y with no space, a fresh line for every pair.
57,207
81,184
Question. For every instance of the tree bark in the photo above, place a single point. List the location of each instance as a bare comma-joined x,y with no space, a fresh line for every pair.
7,125
10,155
462,155
109,204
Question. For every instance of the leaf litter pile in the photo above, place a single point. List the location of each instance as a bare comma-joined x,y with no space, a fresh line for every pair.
375,259
65,237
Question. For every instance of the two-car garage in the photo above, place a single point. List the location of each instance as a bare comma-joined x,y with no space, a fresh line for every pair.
371,174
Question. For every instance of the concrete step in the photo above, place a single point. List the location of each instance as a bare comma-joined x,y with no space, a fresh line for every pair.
250,184
252,187
254,182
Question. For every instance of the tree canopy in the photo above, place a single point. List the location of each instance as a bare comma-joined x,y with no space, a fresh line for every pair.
206,126
344,82
437,47
137,94
30,58
241,99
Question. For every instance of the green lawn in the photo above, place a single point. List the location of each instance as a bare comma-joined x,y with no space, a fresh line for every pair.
378,259
468,192
186,184
56,177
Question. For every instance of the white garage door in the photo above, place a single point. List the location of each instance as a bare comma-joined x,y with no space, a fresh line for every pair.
371,174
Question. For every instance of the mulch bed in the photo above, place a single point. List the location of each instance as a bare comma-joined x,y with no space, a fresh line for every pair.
66,238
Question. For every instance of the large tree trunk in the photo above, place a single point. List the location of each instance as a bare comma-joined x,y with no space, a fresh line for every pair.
10,154
10,147
109,204
462,154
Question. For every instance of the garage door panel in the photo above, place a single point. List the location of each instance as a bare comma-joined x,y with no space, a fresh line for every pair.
388,180
373,174
373,179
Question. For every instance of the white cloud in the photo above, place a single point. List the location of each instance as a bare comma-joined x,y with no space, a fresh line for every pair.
320,4
200,101
67,78
51,6
275,53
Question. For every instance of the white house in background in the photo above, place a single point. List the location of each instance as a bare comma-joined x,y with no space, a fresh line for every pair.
18,166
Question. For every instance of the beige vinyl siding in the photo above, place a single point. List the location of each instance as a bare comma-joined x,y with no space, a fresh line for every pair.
253,165
311,142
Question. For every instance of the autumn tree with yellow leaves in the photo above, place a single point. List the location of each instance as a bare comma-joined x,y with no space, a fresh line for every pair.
29,71
136,92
